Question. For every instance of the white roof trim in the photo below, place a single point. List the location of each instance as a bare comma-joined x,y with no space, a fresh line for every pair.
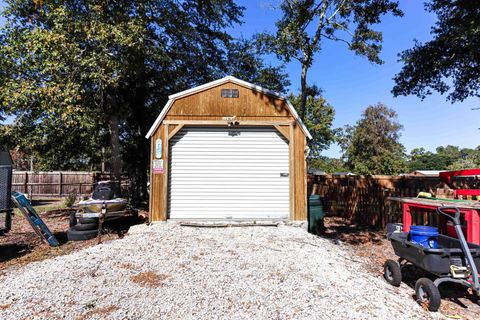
215,83
159,119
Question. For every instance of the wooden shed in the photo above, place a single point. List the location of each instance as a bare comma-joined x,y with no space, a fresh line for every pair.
228,149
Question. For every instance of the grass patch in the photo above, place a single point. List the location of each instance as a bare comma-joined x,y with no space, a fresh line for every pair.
44,205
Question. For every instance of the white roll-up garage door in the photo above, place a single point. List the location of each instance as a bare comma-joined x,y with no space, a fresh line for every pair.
228,173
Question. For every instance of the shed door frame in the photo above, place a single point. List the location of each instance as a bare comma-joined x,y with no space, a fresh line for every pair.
284,128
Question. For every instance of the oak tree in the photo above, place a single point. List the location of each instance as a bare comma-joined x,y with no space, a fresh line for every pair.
306,24
372,145
80,76
450,62
318,118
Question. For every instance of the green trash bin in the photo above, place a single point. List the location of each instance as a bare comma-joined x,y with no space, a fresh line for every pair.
315,214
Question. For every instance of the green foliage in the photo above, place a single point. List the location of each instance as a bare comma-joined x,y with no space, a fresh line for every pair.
69,200
80,76
445,158
328,165
449,63
318,119
462,164
244,61
305,24
372,146
420,159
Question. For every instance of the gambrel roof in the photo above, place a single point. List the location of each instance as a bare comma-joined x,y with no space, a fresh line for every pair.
173,97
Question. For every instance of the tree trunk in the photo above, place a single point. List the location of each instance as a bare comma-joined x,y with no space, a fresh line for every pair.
139,171
113,127
115,157
138,121
303,84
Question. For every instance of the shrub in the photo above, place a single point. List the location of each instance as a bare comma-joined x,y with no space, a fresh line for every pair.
69,200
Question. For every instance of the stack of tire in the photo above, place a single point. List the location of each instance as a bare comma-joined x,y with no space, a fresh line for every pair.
82,229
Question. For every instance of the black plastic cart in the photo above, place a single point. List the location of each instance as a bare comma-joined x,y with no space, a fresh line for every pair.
455,260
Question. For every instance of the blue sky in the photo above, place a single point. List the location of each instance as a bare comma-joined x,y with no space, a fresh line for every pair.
351,83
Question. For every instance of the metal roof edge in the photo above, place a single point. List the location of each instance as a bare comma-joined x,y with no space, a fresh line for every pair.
159,119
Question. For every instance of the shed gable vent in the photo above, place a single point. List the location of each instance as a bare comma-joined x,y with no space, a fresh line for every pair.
230,93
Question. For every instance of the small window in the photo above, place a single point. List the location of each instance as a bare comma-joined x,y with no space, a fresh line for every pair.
230,93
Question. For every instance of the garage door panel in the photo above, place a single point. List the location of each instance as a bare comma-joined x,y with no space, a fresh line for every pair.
227,197
260,215
220,172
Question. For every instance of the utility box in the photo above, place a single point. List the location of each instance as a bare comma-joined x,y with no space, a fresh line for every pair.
315,214
5,192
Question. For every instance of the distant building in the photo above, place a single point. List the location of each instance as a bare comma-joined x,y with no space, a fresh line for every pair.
426,173
343,174
317,172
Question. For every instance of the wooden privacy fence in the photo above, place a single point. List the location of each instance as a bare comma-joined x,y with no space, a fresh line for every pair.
363,199
57,183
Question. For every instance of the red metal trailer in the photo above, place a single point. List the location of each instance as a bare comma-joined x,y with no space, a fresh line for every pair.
461,193
466,200
469,211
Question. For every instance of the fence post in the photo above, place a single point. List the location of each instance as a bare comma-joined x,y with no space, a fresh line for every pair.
25,183
94,178
60,183
30,188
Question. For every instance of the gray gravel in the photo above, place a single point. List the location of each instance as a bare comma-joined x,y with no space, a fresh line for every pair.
205,273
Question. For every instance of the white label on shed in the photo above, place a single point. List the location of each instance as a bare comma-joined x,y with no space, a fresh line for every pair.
158,166
158,148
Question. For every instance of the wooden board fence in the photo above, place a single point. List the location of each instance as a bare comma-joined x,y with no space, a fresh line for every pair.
57,183
363,199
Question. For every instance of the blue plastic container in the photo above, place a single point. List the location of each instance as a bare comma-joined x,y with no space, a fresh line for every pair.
425,236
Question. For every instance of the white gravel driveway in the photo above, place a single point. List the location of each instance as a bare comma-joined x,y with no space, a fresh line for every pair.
166,271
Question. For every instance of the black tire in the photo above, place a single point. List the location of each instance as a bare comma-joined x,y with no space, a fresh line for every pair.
76,235
86,226
427,293
88,220
392,272
73,220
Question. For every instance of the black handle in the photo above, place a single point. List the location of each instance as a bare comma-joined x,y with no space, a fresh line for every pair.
455,219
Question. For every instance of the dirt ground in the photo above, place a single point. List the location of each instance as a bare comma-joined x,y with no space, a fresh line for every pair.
375,249
21,245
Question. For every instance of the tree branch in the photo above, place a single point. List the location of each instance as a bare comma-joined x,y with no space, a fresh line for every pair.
321,24
336,11
289,6
333,38
343,28
298,58
318,6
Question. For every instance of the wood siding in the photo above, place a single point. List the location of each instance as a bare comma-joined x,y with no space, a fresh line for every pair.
255,107
300,175
157,187
209,105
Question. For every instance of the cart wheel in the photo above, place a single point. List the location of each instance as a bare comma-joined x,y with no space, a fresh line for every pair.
427,294
392,272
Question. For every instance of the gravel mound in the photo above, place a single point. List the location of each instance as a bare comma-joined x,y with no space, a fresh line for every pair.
166,271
